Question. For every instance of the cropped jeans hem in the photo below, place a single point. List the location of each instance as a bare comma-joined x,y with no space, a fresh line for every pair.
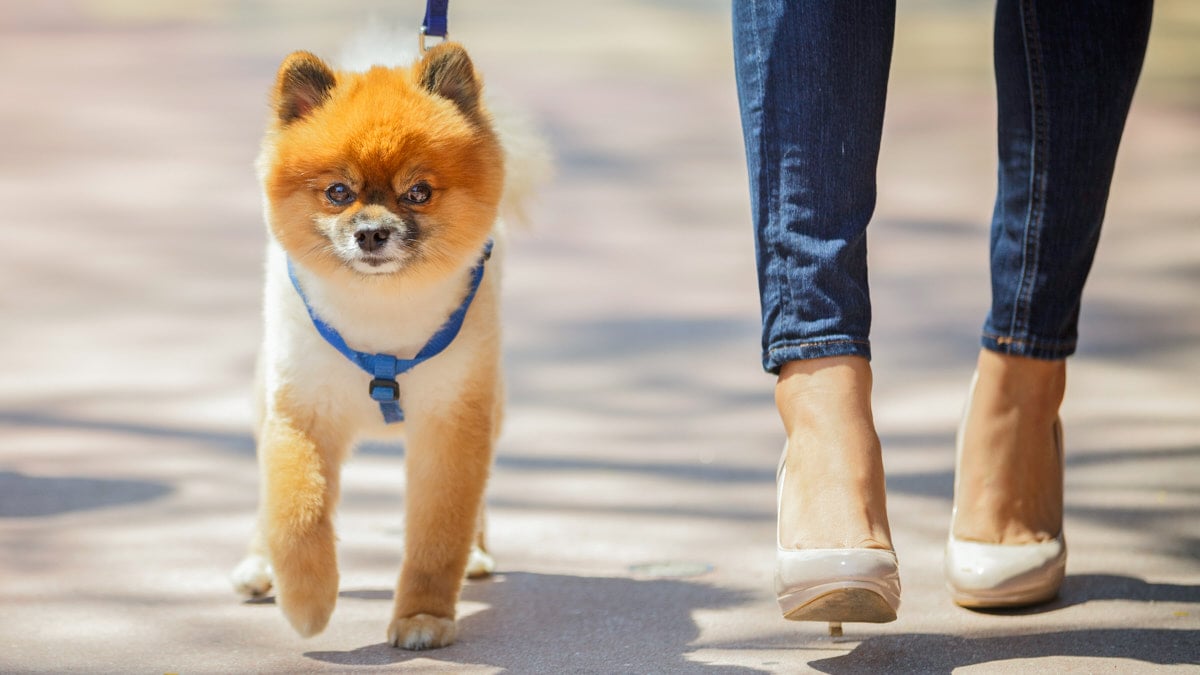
1028,346
779,354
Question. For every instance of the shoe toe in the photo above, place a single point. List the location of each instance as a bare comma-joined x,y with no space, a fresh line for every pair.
998,575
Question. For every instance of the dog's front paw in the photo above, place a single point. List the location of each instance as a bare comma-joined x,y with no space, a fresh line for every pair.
308,603
253,576
422,631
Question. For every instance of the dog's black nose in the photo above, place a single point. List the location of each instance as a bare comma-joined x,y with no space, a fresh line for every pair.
372,240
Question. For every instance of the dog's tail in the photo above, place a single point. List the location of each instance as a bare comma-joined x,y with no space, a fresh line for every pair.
378,43
528,163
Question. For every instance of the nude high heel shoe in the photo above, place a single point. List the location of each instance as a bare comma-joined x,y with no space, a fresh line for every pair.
981,575
834,584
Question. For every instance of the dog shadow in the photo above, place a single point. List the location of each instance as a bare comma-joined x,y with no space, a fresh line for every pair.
940,653
559,624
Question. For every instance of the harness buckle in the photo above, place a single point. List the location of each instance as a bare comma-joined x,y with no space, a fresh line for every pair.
421,38
384,390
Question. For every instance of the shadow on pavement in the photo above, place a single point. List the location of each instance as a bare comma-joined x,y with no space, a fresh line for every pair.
935,653
554,624
239,443
24,496
1080,588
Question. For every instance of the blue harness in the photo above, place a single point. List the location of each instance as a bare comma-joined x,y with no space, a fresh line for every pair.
384,368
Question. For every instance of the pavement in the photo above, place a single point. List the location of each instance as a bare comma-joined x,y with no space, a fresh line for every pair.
632,502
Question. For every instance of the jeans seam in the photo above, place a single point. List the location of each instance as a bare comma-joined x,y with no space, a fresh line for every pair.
1028,341
771,163
1029,347
1034,218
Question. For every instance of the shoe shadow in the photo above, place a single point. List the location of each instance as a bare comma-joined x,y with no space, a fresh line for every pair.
559,624
944,654
935,653
1080,588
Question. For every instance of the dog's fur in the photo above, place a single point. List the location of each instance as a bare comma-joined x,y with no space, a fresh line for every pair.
392,136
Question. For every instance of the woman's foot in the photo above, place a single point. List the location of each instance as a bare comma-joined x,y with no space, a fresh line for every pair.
834,561
1008,487
833,493
1006,547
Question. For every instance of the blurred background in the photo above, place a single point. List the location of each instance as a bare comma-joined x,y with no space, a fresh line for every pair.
638,461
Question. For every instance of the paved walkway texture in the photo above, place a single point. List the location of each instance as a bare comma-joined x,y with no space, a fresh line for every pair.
632,508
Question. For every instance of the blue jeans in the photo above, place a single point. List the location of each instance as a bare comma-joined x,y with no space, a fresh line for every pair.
812,81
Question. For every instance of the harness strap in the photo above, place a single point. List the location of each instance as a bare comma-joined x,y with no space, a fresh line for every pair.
385,368
436,23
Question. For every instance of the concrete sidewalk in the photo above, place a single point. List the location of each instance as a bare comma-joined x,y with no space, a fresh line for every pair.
632,503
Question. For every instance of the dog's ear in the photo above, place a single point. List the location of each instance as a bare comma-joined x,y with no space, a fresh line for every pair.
302,85
446,71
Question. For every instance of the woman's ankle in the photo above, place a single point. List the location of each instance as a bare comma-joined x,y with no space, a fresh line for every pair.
1032,387
1008,489
833,492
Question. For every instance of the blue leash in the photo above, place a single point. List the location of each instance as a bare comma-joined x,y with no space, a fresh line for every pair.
385,368
435,23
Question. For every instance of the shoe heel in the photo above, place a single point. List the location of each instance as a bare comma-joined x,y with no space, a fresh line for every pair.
837,585
839,603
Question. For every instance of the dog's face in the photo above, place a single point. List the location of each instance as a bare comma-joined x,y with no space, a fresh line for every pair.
391,173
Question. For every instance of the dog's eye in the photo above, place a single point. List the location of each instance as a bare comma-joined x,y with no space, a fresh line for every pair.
339,194
418,193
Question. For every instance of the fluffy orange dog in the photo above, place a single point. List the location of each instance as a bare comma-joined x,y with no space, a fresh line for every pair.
382,190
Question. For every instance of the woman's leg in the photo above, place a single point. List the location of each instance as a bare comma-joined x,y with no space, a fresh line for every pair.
812,79
1065,76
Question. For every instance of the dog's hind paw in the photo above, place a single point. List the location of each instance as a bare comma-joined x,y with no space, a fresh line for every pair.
480,564
253,576
422,631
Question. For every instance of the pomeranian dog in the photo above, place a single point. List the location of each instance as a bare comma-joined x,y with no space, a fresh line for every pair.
382,192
